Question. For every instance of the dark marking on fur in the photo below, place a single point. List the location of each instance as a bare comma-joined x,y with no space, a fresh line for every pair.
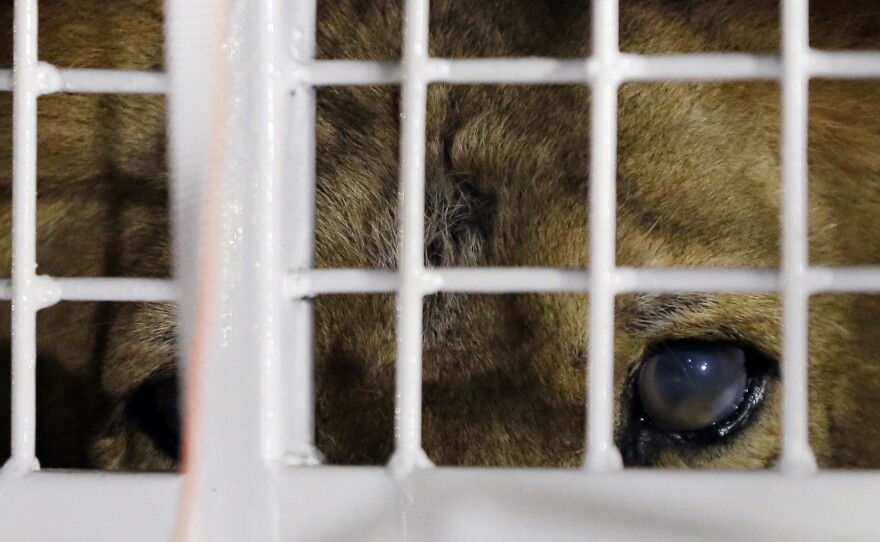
155,407
459,224
459,227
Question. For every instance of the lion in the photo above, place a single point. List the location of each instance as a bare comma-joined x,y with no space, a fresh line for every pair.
697,376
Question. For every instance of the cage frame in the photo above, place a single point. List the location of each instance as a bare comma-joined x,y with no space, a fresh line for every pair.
267,487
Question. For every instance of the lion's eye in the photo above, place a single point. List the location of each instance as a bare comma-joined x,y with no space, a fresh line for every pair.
688,395
690,385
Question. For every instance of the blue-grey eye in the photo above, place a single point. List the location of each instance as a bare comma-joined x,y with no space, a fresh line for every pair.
690,385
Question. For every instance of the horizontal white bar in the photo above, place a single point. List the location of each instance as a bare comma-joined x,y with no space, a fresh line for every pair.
340,281
536,70
818,279
322,73
490,280
87,506
463,505
76,80
546,280
699,67
512,280
106,289
116,289
845,65
737,66
471,71
696,67
477,280
511,70
631,279
844,279
113,81
342,503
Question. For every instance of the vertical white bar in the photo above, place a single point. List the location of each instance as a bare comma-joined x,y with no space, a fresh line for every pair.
408,452
602,454
796,453
268,184
299,238
223,76
24,207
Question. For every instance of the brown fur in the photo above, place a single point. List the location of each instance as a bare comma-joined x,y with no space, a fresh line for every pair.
507,178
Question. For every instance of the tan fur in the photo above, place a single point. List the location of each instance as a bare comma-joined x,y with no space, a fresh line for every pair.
507,178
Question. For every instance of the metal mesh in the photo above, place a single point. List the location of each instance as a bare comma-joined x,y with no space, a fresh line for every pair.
309,503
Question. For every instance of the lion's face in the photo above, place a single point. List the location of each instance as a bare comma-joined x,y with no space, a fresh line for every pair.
697,376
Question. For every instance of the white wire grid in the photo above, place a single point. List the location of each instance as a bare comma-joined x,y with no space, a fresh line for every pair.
279,39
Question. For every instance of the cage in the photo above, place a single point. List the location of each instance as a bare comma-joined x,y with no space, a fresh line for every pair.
245,277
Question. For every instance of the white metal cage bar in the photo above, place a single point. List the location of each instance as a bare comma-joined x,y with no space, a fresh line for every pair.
630,67
299,243
408,452
817,279
224,101
283,113
319,73
601,452
315,282
54,289
114,289
79,80
797,455
25,283
270,127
